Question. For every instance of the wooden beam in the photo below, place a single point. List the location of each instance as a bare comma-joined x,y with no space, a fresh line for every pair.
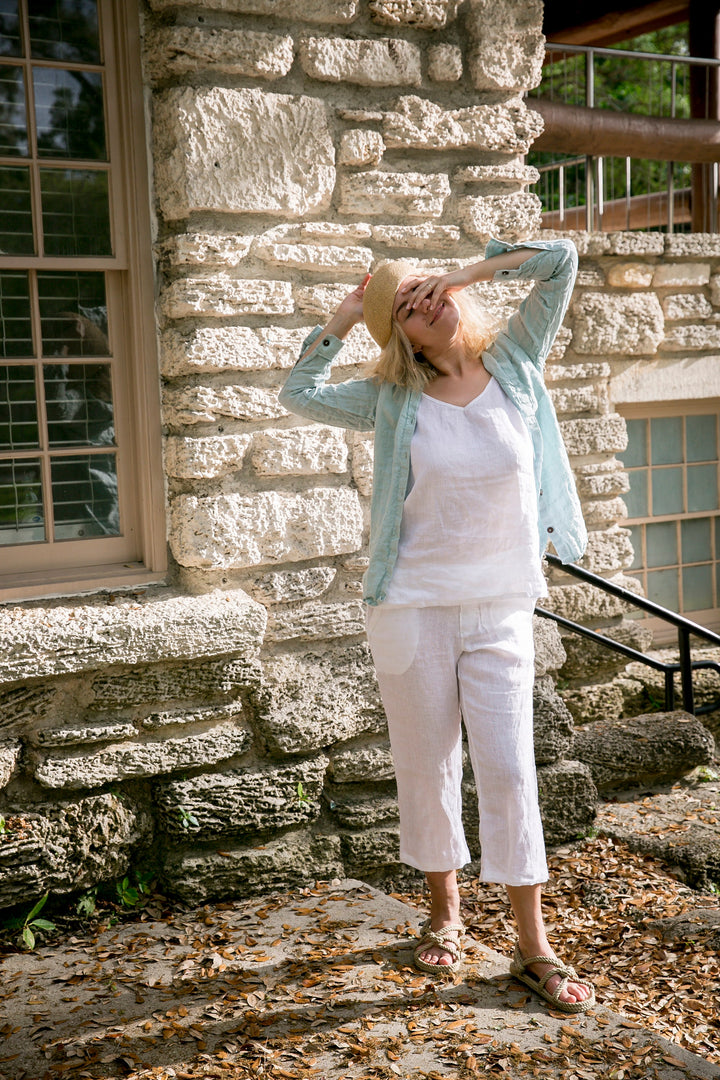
643,212
571,129
610,27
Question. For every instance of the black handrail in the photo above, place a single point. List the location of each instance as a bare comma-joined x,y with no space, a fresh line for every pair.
685,628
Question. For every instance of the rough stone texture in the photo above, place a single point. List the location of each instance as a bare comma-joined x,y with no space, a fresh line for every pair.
553,727
372,852
316,622
151,758
593,662
217,455
316,11
67,846
687,306
571,371
97,730
178,682
580,399
301,451
507,44
84,634
426,237
445,63
358,147
241,151
359,765
288,585
205,404
681,274
198,876
601,479
204,250
500,176
10,750
602,435
620,325
568,800
25,707
314,257
242,800
363,457
582,602
183,50
702,924
608,550
508,217
318,699
651,749
221,296
383,62
635,243
229,348
407,194
680,338
631,275
549,651
359,813
604,512
591,704
268,527
589,277
680,244
420,14
418,123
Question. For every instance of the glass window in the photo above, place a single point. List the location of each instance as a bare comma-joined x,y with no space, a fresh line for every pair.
16,227
65,30
13,124
10,44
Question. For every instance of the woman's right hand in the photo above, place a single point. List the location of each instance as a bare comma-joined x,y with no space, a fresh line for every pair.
350,310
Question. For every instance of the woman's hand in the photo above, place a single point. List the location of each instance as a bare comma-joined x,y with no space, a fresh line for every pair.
350,310
434,286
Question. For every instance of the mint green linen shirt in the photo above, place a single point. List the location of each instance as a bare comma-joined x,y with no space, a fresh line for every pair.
516,359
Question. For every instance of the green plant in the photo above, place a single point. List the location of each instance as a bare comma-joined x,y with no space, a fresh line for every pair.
706,774
588,834
87,902
186,818
29,924
130,895
302,794
3,826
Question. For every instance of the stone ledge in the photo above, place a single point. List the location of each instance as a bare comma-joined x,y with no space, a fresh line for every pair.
90,633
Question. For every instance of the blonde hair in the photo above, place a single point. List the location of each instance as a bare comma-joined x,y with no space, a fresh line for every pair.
398,363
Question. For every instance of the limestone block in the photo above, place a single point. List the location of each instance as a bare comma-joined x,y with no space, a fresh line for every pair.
88,634
549,651
419,123
362,813
381,62
715,289
26,707
358,147
445,63
594,435
288,585
590,704
319,699
186,50
94,730
320,300
574,372
203,714
510,172
65,847
206,404
507,44
362,764
363,457
315,11
241,151
229,348
686,244
632,275
10,750
681,274
601,479
242,800
608,550
580,399
635,243
371,852
204,250
654,748
602,511
181,682
329,232
150,758
557,352
220,296
316,622
202,459
699,336
552,723
319,259
406,194
621,325
297,858
420,14
593,662
507,217
233,531
590,277
587,243
585,603
424,237
568,800
300,451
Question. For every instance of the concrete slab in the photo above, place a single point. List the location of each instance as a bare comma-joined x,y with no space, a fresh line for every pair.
318,983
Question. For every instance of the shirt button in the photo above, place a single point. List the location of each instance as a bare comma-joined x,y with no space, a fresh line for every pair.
505,272
550,528
540,491
326,341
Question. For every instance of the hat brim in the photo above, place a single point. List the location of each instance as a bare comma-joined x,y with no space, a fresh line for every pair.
379,298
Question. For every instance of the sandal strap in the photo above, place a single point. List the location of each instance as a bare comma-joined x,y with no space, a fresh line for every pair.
442,940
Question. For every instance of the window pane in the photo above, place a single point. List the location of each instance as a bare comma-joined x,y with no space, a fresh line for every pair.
667,492
16,230
636,453
69,113
79,405
661,543
84,491
696,540
21,512
15,325
663,588
666,440
702,487
65,30
10,43
18,408
13,123
75,212
73,313
697,587
701,438
636,499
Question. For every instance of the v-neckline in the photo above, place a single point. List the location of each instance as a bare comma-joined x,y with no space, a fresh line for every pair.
461,407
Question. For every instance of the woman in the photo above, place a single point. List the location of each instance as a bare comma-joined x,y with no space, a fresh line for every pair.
471,480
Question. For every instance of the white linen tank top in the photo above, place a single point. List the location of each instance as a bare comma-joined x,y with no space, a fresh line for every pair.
469,526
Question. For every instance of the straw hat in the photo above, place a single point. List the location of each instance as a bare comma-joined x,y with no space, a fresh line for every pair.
379,296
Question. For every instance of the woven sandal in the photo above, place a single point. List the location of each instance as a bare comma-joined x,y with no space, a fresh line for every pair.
519,969
445,941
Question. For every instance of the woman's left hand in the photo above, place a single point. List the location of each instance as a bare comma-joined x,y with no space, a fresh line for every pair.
434,286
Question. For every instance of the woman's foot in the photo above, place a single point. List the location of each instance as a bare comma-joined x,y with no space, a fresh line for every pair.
574,991
444,911
436,954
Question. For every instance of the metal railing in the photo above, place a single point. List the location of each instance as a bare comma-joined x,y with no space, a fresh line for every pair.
685,628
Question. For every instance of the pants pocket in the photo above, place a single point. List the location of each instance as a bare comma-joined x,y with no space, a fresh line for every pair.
393,634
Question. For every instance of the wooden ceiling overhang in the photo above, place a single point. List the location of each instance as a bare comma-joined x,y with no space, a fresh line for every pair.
608,23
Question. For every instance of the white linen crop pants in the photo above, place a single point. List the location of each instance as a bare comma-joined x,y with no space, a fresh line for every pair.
435,665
